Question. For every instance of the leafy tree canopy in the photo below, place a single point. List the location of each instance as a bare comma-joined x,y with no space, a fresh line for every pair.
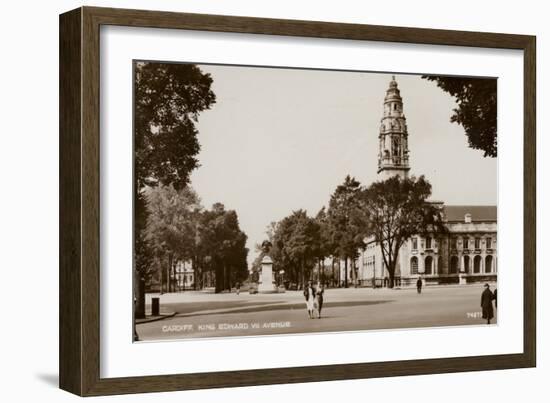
296,242
168,100
326,244
171,220
221,238
347,219
398,209
476,111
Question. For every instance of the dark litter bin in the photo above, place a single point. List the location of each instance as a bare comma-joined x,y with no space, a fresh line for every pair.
155,306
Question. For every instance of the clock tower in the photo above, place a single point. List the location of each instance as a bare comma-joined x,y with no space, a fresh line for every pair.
393,153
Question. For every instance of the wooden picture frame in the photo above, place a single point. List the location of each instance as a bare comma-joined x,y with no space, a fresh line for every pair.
79,347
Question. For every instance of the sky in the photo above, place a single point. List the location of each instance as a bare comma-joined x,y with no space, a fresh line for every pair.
279,140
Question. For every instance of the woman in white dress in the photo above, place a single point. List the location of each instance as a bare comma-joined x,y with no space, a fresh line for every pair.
309,294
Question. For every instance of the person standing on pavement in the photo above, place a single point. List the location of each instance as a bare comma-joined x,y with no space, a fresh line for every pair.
319,298
309,294
419,285
487,304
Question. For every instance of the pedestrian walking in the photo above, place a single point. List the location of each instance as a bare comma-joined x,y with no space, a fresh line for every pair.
487,304
319,296
419,285
309,294
238,288
495,297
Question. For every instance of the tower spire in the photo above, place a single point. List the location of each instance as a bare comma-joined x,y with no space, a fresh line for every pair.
393,154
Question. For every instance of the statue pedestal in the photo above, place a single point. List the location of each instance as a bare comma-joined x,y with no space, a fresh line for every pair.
266,283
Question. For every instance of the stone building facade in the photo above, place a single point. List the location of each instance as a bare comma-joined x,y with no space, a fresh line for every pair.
467,253
184,275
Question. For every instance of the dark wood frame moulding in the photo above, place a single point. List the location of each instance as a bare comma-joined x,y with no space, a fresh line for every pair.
79,321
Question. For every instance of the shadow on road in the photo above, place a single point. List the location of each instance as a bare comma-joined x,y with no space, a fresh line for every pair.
190,307
280,307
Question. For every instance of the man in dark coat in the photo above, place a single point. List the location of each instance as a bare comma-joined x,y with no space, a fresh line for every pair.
495,297
419,285
487,304
319,291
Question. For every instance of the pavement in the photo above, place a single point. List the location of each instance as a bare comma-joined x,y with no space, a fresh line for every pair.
154,318
205,314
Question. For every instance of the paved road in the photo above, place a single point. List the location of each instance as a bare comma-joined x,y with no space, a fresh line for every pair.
200,314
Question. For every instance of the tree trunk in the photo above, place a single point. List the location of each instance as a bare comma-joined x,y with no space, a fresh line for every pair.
393,260
333,270
355,274
303,275
339,273
195,271
170,264
161,277
391,270
139,296
346,273
227,276
142,253
200,265
219,279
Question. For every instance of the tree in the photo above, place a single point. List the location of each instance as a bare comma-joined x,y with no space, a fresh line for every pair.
143,254
279,233
476,111
168,100
224,242
398,209
296,243
236,259
304,243
326,246
347,222
171,226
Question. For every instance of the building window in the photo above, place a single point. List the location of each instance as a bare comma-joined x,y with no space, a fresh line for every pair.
465,243
466,264
488,264
415,243
477,264
428,265
428,243
414,265
454,265
489,243
477,243
453,243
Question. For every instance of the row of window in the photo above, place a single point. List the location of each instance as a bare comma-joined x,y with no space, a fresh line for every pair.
479,265
454,241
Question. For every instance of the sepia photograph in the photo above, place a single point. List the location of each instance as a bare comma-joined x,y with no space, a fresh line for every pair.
273,200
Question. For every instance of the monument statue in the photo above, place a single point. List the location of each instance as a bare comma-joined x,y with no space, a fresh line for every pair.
266,283
266,246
